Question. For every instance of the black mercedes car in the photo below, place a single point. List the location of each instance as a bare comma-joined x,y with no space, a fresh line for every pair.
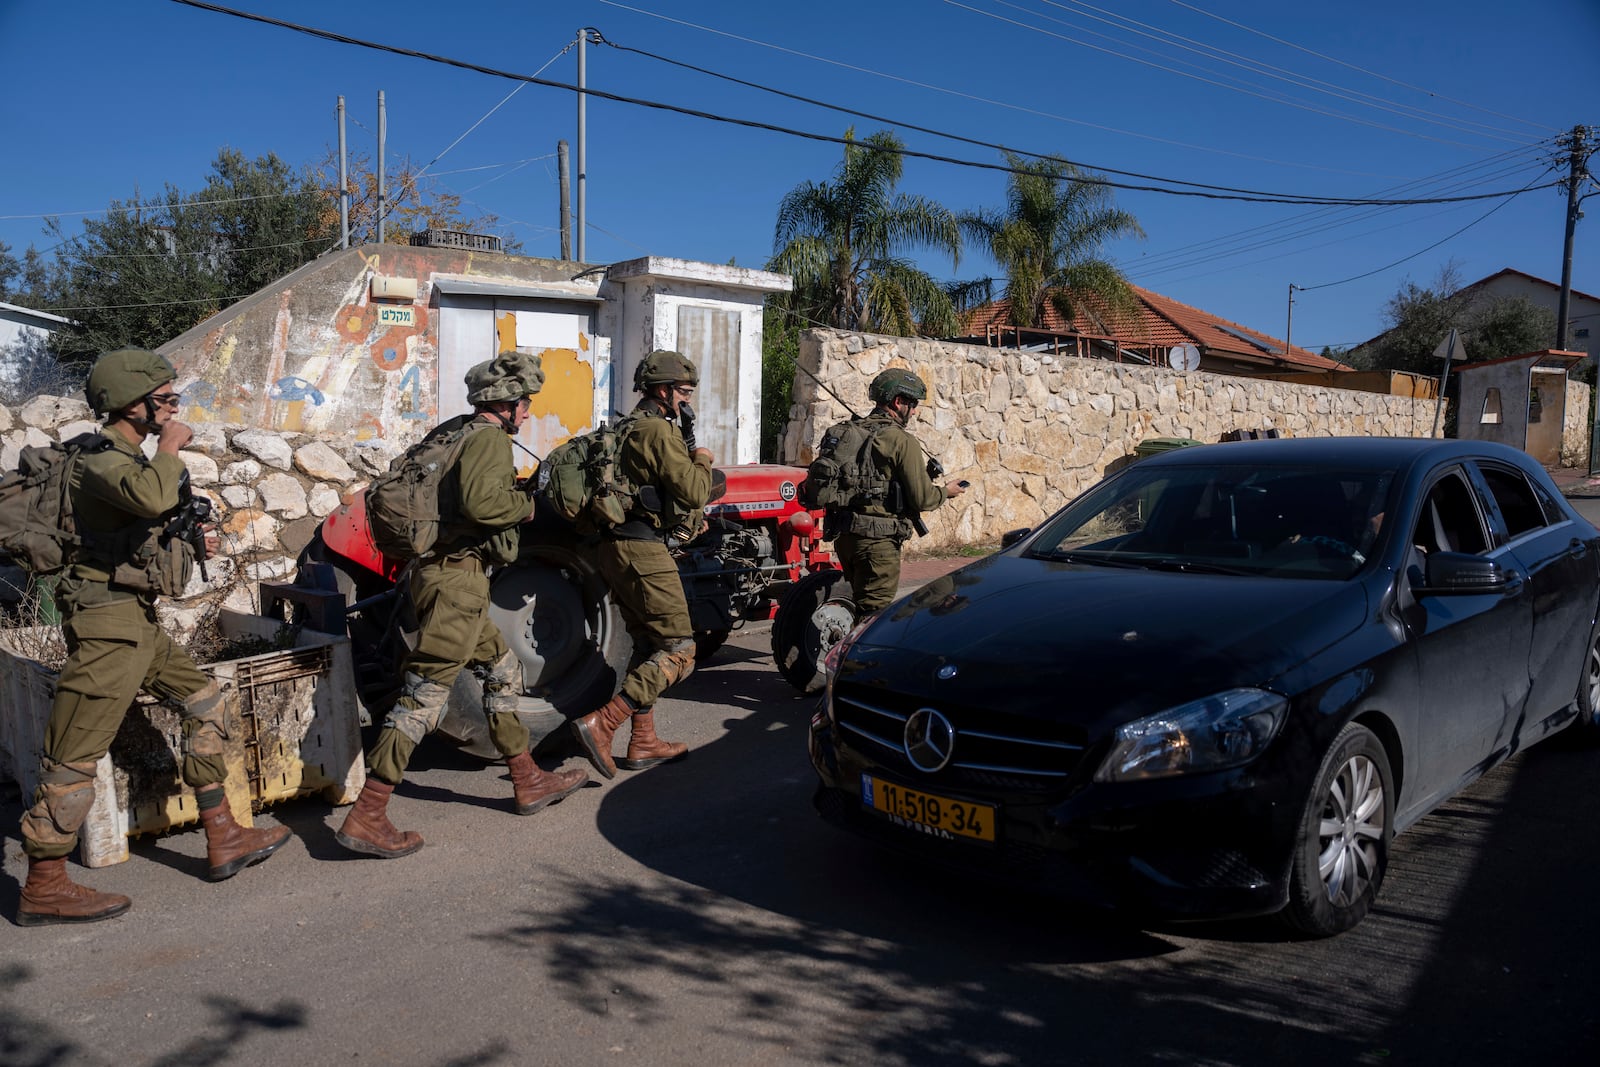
1220,681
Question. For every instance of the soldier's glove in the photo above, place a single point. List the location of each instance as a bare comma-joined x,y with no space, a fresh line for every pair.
686,424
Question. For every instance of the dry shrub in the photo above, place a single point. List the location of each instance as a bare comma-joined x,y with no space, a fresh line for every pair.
29,632
210,645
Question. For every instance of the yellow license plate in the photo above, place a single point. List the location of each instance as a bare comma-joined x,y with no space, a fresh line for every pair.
928,812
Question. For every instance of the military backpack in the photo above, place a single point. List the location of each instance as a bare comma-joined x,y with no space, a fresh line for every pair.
412,506
37,528
843,474
582,481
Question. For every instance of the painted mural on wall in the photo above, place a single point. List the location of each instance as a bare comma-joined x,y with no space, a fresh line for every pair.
337,363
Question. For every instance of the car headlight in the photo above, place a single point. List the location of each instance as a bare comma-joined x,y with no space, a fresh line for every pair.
1224,730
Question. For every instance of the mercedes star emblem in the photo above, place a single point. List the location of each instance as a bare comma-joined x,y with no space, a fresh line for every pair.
929,740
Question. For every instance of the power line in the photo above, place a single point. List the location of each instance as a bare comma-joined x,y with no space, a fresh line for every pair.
1362,70
1238,244
1167,67
1277,73
980,99
1414,255
149,205
1247,195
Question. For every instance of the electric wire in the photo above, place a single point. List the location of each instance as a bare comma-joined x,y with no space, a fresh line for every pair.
1414,255
1362,70
1246,195
1239,244
1167,66
1020,108
1305,81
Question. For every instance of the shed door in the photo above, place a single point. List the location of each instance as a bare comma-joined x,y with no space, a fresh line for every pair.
473,328
1547,405
710,337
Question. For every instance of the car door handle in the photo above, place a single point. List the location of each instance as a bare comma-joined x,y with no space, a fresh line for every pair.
1577,549
1514,584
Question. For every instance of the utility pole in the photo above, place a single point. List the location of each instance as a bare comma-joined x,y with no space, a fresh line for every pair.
1578,151
383,130
585,35
344,185
1288,330
566,202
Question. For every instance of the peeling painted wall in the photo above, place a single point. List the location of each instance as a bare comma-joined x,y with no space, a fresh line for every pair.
317,354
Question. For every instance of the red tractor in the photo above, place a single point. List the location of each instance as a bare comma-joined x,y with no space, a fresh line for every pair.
555,609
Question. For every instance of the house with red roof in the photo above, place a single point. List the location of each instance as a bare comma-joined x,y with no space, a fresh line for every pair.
1161,332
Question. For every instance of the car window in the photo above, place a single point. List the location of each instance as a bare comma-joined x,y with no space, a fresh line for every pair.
1515,497
1280,521
1449,520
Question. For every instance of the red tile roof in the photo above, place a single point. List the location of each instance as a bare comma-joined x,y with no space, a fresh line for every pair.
1165,322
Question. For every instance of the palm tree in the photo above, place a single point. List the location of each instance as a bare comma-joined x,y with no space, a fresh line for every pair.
1048,238
846,244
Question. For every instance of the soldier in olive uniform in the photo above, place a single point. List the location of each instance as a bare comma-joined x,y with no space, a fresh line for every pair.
869,543
450,591
115,646
640,570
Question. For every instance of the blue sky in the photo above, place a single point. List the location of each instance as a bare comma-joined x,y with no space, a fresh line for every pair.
1415,99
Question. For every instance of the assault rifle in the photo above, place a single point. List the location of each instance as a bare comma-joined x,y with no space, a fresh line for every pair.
189,522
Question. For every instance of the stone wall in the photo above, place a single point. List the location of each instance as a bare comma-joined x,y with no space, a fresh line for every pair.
1576,425
1031,431
270,490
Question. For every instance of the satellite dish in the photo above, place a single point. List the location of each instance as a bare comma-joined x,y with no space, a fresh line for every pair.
1183,357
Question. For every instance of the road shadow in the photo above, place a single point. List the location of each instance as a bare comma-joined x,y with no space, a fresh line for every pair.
911,965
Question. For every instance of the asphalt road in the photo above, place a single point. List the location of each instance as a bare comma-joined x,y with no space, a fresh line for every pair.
700,913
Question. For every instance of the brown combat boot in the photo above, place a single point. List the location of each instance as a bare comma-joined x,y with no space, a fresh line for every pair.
533,788
230,848
367,829
645,749
49,896
596,729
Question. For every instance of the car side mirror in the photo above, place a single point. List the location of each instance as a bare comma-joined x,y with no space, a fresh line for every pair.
1011,537
1460,574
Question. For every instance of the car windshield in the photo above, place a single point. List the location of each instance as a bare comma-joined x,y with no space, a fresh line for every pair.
1290,522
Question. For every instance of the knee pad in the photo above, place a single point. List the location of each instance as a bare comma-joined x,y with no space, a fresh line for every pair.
675,661
419,708
502,685
62,802
205,728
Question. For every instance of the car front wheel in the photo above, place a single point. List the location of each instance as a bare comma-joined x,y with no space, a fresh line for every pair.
1586,727
1345,830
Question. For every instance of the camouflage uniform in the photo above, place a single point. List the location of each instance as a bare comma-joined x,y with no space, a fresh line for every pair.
870,542
637,565
635,561
449,592
115,646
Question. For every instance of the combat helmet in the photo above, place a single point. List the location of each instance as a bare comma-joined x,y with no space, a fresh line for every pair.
121,377
511,375
662,367
896,381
